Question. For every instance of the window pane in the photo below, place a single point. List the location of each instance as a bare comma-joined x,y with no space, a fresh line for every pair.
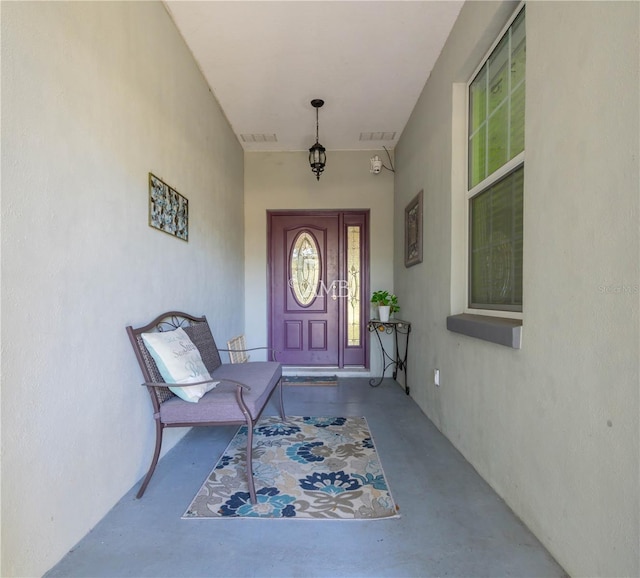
496,245
498,74
496,106
478,100
498,138
477,156
517,122
518,52
354,282
304,269
518,45
478,128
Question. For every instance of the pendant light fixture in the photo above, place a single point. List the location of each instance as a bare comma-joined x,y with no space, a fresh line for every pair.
317,153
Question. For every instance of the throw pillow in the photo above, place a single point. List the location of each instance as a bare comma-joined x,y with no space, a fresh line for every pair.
179,361
201,336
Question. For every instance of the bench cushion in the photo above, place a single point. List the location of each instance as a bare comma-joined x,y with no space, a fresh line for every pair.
220,405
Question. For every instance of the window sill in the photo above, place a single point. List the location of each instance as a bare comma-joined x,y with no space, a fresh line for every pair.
499,330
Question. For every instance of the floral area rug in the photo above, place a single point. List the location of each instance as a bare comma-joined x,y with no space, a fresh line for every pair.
304,467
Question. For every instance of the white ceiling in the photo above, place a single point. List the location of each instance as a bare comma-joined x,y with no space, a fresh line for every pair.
266,60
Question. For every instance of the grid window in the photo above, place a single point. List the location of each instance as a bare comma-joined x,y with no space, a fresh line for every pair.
496,174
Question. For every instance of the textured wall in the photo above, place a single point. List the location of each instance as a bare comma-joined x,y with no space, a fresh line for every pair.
552,427
94,96
285,181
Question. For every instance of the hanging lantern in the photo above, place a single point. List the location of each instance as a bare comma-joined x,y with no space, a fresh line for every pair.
317,153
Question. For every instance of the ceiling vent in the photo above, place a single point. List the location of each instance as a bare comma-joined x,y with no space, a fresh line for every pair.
258,138
367,136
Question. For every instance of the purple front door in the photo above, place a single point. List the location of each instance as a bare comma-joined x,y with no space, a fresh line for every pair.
316,301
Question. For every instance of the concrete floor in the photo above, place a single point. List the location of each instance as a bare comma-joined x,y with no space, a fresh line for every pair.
451,524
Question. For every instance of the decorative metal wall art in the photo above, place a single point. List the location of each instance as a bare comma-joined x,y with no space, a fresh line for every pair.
168,209
413,232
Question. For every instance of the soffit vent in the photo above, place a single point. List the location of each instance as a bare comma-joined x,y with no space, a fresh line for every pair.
367,136
258,138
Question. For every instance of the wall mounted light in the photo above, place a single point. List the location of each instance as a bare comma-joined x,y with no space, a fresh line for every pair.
317,153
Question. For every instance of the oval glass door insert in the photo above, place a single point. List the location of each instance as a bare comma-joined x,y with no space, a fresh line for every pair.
304,269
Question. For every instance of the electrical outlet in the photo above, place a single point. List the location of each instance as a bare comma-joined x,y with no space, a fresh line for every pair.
436,377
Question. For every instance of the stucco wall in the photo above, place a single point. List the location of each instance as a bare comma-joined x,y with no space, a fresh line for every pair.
285,181
553,427
94,96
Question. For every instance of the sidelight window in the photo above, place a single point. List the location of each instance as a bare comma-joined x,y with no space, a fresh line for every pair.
354,268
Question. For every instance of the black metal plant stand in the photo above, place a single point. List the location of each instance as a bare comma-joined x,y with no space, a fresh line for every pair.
395,327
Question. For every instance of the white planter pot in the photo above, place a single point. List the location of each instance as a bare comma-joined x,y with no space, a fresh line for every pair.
383,312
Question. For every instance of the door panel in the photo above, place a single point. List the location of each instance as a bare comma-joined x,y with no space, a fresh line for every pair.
293,335
318,335
312,292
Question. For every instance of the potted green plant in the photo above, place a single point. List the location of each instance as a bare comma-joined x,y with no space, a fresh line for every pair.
387,304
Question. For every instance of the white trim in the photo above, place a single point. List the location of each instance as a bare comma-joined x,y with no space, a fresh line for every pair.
459,230
495,176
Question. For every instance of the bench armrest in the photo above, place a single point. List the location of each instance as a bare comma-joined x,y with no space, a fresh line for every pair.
222,380
275,351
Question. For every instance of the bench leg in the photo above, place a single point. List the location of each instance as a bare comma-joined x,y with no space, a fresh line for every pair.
281,401
154,461
250,482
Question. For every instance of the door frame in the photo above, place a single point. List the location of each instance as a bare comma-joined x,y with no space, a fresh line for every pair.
343,221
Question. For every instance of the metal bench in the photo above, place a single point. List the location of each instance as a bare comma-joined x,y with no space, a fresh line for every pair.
239,399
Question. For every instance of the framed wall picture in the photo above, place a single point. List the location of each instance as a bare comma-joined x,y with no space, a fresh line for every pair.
413,232
168,209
